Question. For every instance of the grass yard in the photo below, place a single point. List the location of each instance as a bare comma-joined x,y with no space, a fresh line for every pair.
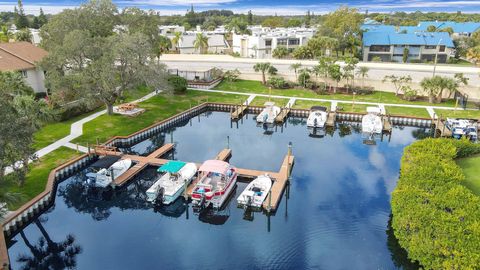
475,114
260,101
471,169
403,111
248,86
37,177
307,104
157,108
349,107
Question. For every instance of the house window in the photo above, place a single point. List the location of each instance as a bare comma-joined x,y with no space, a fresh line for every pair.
24,73
294,41
379,48
268,42
430,47
281,42
442,48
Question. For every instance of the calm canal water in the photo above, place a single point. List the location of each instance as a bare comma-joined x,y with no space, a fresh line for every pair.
336,215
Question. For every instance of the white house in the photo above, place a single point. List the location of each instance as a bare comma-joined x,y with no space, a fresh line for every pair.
263,40
216,43
169,30
22,57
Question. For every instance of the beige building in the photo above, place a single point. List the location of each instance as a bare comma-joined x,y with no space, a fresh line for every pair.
22,57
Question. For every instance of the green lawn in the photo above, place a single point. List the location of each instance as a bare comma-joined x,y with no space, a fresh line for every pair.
248,86
38,175
349,107
307,104
475,114
471,169
403,111
157,108
260,101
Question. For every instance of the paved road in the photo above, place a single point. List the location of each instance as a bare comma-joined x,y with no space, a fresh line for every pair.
377,70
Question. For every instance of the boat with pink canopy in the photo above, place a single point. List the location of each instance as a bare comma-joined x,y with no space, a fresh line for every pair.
216,181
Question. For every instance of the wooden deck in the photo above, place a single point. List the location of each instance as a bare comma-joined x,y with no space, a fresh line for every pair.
332,116
280,181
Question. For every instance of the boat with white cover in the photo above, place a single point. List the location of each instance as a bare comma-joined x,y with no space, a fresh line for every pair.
372,121
216,180
177,175
269,113
255,192
106,176
317,117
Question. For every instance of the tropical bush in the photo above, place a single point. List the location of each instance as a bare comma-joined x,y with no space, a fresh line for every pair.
232,75
435,218
178,84
280,52
277,82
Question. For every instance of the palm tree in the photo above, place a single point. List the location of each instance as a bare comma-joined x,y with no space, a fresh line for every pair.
435,86
263,68
163,45
363,72
201,43
295,67
474,54
176,40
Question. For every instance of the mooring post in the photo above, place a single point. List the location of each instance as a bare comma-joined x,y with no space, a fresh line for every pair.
97,141
171,136
228,142
185,192
288,161
76,145
269,208
88,148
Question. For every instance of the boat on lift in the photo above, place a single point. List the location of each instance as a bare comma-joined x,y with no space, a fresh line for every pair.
216,180
372,121
176,176
462,128
105,176
317,117
268,114
255,192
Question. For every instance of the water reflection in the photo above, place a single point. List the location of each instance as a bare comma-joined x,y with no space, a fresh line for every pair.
336,207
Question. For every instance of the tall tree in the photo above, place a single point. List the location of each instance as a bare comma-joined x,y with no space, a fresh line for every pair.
42,19
23,35
178,36
264,68
295,67
250,18
21,20
344,25
363,72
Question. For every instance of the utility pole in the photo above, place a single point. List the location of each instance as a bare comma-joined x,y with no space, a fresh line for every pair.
436,57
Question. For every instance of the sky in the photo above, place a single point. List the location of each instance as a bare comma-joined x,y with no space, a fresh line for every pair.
260,7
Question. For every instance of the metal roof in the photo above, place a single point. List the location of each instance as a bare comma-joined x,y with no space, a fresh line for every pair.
429,39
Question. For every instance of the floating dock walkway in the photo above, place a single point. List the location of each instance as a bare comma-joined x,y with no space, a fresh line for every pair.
285,111
280,178
332,116
387,124
440,126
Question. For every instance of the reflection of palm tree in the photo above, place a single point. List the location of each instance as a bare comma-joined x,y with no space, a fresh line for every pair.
344,130
49,254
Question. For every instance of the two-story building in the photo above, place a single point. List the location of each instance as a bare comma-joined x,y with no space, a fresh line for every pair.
22,57
420,47
263,40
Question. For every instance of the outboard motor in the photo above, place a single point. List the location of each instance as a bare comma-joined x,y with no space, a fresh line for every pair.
159,199
265,117
315,122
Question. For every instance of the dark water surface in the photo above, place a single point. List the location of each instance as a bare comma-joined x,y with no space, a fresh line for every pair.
336,215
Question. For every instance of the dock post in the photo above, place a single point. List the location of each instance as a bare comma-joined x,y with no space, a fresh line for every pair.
88,148
97,141
288,161
228,142
269,208
185,191
171,136
76,145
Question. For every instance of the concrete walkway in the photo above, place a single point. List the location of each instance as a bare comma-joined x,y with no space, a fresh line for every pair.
291,102
432,113
249,100
76,130
335,100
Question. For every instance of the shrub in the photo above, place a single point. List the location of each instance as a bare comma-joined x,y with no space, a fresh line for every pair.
231,75
376,59
435,218
277,82
178,84
417,61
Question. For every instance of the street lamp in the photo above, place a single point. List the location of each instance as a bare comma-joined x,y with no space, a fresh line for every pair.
436,57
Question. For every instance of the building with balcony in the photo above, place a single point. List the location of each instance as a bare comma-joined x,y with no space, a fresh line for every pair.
419,47
263,40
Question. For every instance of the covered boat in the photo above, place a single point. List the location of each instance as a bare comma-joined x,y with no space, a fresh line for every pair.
317,117
269,113
216,180
372,121
105,176
177,175
255,192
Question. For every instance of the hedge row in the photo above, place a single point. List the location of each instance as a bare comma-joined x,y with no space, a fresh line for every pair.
435,218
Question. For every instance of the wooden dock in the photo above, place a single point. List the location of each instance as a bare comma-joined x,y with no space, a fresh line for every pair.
238,112
282,115
387,125
444,131
271,203
332,116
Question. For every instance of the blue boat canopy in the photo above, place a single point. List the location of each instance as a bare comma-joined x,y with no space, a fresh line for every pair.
173,166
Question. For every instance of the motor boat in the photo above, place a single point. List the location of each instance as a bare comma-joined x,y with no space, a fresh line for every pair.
269,113
255,192
457,127
177,175
317,117
471,132
372,121
105,176
216,180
